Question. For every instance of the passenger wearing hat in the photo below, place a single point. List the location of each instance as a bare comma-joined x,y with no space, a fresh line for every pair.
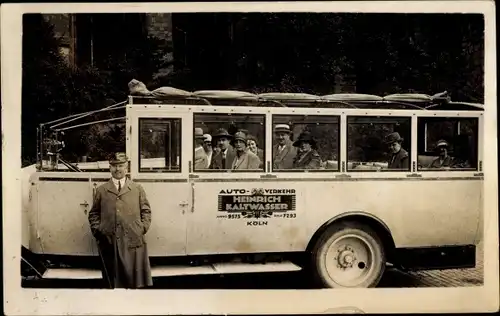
200,157
244,159
209,150
283,151
307,156
223,158
443,161
119,218
399,157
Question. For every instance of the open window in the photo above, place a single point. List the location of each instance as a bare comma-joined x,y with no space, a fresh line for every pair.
230,143
160,145
378,143
306,143
447,144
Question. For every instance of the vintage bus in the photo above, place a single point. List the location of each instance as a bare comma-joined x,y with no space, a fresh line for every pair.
342,221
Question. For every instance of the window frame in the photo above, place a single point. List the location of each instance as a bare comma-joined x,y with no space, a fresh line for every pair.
409,148
262,114
337,116
185,113
454,117
138,111
170,120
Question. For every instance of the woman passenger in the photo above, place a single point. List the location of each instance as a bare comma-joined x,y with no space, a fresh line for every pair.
307,156
253,147
444,160
244,158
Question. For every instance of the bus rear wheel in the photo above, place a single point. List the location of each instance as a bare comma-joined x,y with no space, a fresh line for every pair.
348,255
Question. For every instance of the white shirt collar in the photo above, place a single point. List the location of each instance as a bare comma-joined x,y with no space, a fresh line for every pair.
115,181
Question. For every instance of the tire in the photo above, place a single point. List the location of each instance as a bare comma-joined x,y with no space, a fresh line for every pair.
348,255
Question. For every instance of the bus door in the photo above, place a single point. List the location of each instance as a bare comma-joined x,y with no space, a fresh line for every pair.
237,210
157,164
64,199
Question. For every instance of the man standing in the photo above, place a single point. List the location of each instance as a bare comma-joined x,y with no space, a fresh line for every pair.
119,219
399,157
223,159
283,152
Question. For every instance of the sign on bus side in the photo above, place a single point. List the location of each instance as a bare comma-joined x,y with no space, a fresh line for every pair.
257,203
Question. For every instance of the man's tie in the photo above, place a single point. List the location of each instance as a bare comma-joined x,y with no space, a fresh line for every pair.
223,161
119,186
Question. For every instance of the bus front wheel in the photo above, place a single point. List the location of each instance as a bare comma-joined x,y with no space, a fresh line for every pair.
348,255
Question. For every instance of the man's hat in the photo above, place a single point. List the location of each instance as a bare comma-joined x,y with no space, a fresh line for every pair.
392,138
305,137
221,132
442,143
208,137
198,133
118,158
282,128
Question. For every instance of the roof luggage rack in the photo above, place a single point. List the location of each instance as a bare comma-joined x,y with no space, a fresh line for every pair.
139,94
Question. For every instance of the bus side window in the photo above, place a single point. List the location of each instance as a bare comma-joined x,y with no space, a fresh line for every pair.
447,144
306,142
159,145
229,142
377,143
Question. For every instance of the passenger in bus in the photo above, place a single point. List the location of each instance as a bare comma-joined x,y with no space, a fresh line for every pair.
307,157
200,157
283,152
209,150
444,160
224,156
399,157
119,218
252,145
245,159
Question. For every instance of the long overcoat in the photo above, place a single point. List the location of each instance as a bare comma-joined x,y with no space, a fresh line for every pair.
119,221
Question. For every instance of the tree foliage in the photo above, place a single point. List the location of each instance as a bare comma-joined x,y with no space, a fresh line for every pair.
52,90
259,52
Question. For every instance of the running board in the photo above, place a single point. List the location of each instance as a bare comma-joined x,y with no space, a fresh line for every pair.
168,271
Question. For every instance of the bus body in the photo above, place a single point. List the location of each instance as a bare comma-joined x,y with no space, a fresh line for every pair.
345,215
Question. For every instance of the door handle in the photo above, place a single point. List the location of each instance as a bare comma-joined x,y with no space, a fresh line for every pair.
184,204
85,204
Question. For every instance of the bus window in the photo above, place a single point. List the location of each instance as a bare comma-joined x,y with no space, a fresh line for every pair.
229,142
159,145
447,143
377,143
305,142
